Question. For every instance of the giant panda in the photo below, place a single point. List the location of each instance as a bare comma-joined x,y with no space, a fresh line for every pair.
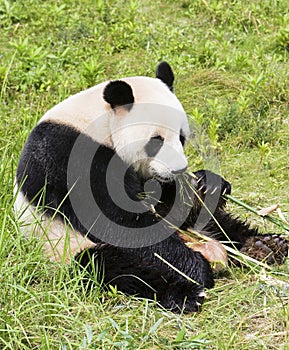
102,181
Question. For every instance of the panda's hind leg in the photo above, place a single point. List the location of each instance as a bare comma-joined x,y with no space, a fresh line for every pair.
134,275
270,248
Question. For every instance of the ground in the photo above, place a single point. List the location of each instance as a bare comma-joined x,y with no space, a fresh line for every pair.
231,65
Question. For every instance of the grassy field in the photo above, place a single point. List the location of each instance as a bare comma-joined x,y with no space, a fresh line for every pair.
231,61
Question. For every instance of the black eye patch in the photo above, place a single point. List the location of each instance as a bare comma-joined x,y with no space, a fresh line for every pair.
154,145
182,139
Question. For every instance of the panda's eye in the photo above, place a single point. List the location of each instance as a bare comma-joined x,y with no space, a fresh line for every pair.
158,137
154,145
182,139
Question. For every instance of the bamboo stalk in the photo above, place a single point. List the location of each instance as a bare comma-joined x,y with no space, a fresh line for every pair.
275,221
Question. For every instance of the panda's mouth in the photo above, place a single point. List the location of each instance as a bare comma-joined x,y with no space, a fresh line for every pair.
150,173
163,178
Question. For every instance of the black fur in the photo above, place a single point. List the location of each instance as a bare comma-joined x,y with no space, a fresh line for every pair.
43,165
212,186
138,272
118,93
44,162
154,145
164,73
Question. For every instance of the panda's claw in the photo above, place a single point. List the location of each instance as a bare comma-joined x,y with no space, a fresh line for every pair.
203,189
200,179
214,190
202,294
183,298
209,182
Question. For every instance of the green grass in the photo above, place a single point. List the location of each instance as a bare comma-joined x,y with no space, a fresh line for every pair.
231,64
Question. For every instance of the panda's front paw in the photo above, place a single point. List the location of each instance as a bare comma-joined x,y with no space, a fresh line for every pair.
211,183
183,298
272,249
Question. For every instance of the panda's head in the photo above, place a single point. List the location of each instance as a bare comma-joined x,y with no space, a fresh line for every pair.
148,125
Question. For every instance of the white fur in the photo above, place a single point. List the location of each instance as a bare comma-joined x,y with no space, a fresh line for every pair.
131,132
156,111
60,241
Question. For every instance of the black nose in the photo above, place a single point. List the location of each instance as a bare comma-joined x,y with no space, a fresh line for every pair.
179,171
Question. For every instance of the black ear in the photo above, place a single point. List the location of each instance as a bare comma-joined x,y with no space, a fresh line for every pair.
118,93
165,73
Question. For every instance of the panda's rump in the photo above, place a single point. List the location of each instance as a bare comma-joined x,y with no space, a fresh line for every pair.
60,241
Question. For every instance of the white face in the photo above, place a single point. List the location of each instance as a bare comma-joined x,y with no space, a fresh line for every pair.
150,138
